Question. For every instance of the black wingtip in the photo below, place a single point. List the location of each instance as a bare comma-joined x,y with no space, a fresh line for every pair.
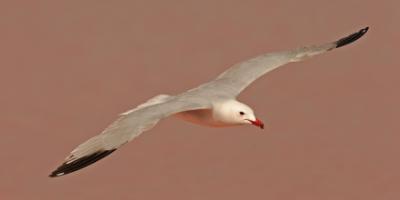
80,163
351,38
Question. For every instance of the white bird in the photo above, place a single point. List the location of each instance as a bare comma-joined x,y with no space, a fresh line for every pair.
211,104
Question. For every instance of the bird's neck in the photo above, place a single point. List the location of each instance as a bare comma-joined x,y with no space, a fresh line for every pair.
222,111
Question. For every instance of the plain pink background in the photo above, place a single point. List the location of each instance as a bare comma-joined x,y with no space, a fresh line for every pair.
68,68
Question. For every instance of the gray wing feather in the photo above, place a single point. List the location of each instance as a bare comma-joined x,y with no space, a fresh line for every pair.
128,126
132,124
234,80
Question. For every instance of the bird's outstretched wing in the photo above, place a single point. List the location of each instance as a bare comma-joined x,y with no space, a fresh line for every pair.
130,125
234,80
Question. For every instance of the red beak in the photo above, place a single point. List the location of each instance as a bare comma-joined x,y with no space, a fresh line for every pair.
258,123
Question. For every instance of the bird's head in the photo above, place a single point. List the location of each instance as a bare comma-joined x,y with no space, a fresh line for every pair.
235,112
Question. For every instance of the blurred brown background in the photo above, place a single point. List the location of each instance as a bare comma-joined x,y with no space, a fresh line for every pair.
68,68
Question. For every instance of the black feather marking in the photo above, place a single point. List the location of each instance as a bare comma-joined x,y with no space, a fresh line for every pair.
351,38
80,163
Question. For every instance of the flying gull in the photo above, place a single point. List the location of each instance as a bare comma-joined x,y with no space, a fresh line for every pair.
211,104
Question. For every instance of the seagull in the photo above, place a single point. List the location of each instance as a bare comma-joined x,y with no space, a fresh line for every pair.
211,104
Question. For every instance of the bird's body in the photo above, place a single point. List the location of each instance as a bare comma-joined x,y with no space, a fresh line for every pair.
221,114
211,104
202,117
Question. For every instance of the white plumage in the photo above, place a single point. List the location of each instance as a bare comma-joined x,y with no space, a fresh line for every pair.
211,104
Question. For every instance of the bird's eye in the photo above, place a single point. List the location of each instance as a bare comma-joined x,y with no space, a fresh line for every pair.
241,113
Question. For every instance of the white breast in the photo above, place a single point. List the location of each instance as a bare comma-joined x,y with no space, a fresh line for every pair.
203,117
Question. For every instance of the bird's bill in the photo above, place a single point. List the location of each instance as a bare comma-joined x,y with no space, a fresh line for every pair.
258,123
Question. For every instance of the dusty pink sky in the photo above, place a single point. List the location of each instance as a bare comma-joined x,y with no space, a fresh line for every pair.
68,68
